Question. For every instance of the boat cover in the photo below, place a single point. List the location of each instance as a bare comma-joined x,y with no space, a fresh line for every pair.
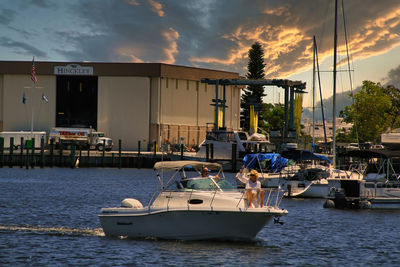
275,160
300,155
179,164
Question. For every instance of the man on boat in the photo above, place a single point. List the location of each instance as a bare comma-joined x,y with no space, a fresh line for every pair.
205,173
254,194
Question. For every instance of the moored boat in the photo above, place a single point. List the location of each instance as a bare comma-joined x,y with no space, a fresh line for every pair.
380,188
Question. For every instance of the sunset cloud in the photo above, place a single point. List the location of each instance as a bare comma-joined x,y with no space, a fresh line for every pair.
171,50
132,2
156,7
203,33
129,52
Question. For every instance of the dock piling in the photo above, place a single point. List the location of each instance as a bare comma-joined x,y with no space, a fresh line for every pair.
103,153
22,158
120,153
42,153
51,152
11,155
1,152
33,161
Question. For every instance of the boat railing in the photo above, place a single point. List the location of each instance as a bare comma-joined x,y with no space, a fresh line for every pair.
272,197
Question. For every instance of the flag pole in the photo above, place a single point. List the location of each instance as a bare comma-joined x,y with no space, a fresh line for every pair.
34,80
32,104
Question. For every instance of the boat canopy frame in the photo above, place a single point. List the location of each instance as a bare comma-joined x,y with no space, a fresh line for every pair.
180,165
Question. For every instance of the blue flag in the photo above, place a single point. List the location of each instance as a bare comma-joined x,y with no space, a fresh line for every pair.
23,98
45,98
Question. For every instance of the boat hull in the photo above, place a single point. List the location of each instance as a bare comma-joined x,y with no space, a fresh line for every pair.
188,225
315,190
385,203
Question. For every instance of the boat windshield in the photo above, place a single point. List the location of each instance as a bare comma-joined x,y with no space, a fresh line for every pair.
208,184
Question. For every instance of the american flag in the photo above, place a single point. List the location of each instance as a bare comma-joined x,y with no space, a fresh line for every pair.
33,71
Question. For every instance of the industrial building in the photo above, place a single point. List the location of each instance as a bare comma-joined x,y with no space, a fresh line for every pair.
146,102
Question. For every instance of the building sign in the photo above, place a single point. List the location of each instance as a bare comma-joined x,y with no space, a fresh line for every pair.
73,69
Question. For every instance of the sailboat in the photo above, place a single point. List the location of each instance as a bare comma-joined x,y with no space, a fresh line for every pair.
317,180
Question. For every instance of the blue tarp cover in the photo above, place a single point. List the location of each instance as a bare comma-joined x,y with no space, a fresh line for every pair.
272,161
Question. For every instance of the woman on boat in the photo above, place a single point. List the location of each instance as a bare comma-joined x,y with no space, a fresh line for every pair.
254,194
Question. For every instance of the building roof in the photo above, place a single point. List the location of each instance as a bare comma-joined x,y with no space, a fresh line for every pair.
120,69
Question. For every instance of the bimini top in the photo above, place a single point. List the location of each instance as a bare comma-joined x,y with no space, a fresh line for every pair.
176,165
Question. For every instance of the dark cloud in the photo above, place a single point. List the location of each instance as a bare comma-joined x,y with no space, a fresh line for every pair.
218,34
21,47
393,77
41,3
6,16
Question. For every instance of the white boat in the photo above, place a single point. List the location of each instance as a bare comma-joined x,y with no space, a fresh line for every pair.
192,208
222,142
380,188
317,181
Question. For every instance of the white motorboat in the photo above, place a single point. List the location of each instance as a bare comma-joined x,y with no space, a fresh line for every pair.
192,208
380,188
317,181
222,142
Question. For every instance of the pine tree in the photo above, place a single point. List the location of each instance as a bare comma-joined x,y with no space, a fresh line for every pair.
253,94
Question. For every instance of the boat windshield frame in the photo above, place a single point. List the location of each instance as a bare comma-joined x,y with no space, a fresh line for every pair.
181,170
210,183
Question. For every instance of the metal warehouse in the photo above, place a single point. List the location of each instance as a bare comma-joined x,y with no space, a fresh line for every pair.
147,102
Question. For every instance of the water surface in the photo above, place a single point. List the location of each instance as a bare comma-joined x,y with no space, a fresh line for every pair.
49,217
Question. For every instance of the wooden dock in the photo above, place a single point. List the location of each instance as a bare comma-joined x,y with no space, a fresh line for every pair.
75,156
73,159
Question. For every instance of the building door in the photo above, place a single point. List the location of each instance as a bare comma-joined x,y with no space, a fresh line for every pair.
76,104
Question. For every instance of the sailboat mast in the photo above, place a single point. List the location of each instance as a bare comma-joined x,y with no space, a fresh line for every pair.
334,89
313,98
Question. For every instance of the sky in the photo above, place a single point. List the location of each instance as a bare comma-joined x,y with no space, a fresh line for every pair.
212,34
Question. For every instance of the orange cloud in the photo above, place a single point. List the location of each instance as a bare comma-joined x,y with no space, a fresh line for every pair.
277,11
156,7
275,41
171,36
129,52
132,2
288,48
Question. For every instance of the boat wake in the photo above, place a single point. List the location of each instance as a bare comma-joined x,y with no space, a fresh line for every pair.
62,231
